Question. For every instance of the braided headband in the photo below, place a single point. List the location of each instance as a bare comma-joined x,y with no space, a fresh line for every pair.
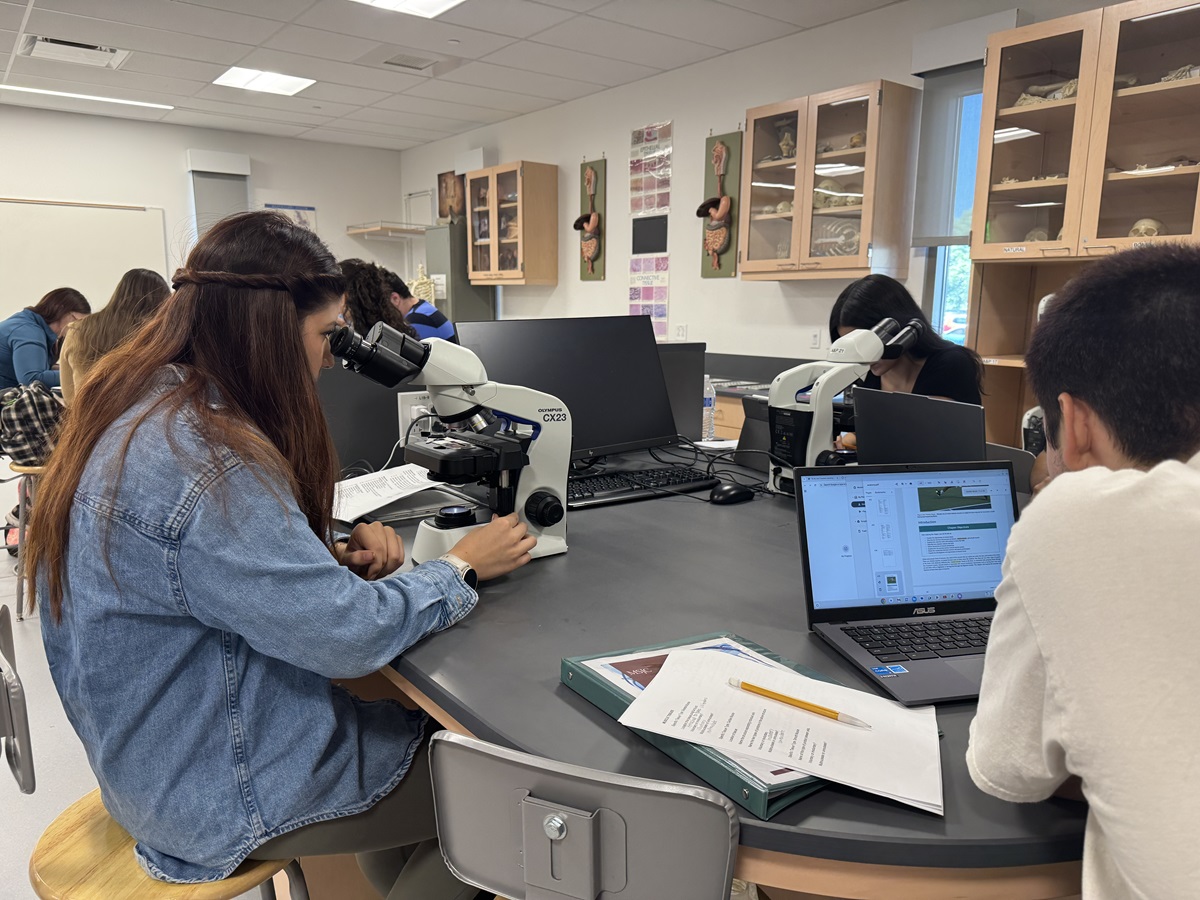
291,283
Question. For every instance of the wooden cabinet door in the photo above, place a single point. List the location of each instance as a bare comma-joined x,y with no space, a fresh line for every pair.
769,237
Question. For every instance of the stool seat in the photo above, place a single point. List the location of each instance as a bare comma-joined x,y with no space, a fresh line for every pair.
85,855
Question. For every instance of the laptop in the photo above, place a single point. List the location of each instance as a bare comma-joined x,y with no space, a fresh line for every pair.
901,565
896,427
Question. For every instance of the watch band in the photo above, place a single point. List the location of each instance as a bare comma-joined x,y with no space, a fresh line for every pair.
464,569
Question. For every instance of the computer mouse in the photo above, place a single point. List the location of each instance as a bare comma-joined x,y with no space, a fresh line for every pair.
728,492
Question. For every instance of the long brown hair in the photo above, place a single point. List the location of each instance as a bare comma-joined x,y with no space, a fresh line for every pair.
60,302
138,295
233,328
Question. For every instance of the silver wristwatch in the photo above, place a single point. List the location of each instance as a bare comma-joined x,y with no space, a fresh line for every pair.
465,572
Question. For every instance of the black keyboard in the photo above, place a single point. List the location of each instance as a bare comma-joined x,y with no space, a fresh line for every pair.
634,484
923,640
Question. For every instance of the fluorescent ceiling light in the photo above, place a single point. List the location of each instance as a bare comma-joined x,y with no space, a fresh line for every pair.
267,82
1169,12
836,193
429,9
831,169
1013,134
29,90
768,184
1033,205
851,100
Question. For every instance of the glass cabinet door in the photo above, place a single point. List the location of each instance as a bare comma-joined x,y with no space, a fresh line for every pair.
770,239
1038,90
1143,186
838,163
480,193
508,221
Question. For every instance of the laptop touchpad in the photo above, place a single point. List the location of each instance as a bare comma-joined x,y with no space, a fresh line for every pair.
970,666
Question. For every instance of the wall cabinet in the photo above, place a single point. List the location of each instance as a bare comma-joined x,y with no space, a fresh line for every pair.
513,234
828,184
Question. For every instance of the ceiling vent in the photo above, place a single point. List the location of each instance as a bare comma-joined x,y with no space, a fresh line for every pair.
57,50
410,62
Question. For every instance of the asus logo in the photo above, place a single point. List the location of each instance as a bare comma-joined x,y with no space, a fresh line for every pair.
924,610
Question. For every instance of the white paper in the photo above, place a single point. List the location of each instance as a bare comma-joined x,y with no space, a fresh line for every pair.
770,774
690,698
356,497
717,444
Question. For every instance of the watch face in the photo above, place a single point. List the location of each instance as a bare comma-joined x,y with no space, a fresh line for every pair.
471,579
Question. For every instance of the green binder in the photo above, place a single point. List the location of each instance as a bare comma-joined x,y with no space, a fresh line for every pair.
727,776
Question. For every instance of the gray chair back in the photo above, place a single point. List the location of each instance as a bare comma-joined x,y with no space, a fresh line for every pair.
14,720
1022,462
529,828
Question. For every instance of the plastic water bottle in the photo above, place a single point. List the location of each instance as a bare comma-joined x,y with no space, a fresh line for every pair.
708,429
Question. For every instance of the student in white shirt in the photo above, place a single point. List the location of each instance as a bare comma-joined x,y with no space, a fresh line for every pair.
1092,666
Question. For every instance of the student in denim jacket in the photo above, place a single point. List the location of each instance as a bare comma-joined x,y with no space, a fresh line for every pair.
195,606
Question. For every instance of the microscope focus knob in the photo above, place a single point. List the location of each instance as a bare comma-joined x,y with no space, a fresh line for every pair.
543,508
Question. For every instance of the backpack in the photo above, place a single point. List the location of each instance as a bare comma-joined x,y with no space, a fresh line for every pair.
29,418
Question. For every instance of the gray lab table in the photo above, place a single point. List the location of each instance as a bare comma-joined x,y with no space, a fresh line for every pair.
670,568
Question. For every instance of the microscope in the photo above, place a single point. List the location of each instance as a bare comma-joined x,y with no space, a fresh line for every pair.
514,440
800,402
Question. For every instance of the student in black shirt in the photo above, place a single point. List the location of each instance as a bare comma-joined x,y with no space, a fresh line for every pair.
934,366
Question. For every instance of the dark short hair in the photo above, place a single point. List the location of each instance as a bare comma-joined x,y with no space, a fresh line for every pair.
61,302
395,283
1124,338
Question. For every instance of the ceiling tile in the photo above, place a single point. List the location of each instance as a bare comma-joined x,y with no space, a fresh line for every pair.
132,37
301,103
170,16
569,64
807,13
82,87
413,120
520,81
412,134
466,93
325,44
66,104
291,116
397,28
231,123
702,21
10,16
279,10
519,18
117,81
578,5
190,69
463,111
356,139
7,40
329,70
618,41
340,93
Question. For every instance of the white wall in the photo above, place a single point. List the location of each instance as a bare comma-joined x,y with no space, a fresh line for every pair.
67,156
733,316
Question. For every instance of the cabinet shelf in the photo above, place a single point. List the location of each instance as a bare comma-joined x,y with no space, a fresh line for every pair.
839,212
763,217
481,209
386,231
1012,360
509,204
788,163
1151,174
1156,101
1049,116
858,154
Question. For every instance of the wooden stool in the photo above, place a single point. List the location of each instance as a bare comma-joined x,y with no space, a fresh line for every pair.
85,855
26,490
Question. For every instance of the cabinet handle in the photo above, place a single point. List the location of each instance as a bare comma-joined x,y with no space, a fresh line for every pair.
1097,249
786,265
809,265
1056,251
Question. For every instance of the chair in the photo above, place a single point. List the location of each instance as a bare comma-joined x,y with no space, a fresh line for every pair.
528,828
85,855
14,720
26,491
1022,461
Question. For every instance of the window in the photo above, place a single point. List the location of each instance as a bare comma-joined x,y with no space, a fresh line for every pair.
951,282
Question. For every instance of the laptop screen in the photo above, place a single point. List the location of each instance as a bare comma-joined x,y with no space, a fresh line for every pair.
882,536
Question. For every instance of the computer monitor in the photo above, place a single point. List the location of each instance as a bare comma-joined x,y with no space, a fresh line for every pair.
605,369
683,368
363,419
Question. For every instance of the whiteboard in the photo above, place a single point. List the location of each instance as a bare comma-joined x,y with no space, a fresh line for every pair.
47,245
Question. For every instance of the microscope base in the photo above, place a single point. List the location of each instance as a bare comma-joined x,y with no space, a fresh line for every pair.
432,542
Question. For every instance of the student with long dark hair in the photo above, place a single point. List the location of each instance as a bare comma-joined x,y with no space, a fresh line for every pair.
194,602
138,296
934,366
29,339
367,298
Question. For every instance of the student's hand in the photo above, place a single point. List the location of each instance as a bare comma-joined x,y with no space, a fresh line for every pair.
497,548
373,551
847,440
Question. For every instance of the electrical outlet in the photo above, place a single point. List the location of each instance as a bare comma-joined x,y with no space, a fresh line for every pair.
814,339
411,405
681,332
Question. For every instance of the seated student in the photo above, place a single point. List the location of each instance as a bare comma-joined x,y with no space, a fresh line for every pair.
1091,670
184,523
29,339
138,296
367,298
423,316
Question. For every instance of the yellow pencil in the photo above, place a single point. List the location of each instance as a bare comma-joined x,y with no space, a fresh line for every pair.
800,704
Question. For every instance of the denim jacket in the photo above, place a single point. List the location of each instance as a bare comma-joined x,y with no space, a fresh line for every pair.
197,674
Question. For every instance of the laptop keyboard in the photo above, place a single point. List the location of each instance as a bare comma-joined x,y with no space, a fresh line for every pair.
923,640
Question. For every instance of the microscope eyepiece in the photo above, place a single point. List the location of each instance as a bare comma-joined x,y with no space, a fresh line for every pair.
384,355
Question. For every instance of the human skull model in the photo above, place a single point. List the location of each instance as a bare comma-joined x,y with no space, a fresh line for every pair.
826,194
784,207
852,192
1037,234
858,139
1144,228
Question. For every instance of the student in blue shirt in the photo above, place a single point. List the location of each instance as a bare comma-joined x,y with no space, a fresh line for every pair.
423,316
28,338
